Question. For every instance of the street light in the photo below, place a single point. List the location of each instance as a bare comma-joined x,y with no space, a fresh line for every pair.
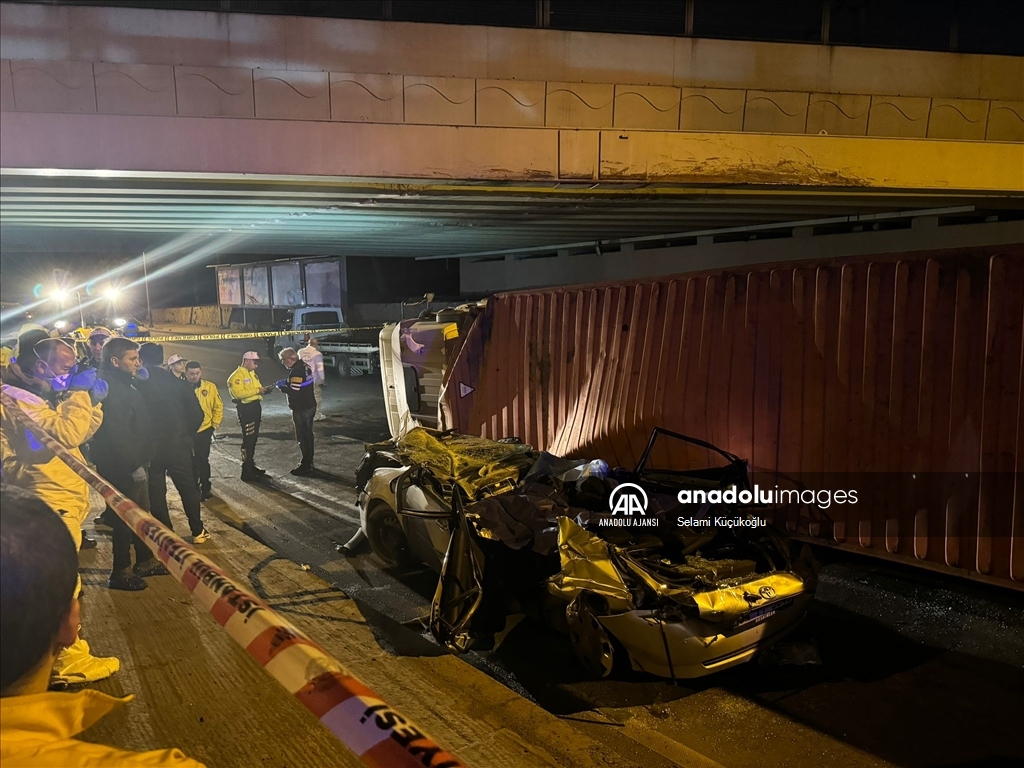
112,293
62,294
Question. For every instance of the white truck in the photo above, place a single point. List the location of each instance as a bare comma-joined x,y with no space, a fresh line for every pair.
350,353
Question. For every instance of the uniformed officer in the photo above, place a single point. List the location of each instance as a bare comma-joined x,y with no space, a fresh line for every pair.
98,336
246,393
213,414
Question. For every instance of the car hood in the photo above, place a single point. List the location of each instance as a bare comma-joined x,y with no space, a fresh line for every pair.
717,594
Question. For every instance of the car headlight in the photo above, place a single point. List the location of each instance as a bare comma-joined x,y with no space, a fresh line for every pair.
119,322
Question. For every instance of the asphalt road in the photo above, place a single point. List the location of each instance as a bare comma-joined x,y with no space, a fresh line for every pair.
912,668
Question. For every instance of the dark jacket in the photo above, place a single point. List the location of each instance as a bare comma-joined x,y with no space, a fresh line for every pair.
173,408
299,387
124,441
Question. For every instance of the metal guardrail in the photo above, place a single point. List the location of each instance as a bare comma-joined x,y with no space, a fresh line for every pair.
378,734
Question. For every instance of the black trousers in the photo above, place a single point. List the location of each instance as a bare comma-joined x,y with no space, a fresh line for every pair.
249,416
303,421
124,539
201,442
174,459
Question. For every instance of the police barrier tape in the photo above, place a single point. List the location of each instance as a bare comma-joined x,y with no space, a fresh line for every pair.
250,334
371,729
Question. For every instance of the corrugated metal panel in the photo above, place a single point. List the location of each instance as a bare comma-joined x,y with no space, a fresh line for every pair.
900,375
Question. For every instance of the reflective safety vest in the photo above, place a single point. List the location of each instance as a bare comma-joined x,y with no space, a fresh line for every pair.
244,386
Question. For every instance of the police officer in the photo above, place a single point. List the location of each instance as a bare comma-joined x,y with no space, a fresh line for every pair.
213,413
246,393
97,338
176,365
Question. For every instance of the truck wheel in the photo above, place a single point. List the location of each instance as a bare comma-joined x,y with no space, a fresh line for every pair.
387,539
344,366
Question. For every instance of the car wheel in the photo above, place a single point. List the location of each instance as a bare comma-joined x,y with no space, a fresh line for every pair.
387,539
344,366
594,647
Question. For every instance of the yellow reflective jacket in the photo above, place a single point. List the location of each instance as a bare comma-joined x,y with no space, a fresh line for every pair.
30,465
213,406
244,386
38,729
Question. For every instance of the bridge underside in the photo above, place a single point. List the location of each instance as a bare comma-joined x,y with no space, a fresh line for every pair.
288,186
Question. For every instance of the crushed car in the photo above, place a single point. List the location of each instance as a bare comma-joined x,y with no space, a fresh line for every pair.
509,529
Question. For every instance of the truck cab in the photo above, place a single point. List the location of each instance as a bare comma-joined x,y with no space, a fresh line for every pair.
303,320
415,357
340,346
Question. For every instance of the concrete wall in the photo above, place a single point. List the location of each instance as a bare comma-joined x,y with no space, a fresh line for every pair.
483,277
195,64
209,316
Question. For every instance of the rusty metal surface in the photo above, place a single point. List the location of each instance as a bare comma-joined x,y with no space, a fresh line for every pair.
898,374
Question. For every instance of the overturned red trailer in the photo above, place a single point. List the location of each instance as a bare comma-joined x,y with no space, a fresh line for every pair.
899,376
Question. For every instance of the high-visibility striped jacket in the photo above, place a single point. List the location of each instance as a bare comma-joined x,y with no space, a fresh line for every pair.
213,407
30,465
244,386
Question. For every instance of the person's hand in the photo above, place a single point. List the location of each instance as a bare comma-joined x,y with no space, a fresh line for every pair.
98,391
142,374
281,384
83,381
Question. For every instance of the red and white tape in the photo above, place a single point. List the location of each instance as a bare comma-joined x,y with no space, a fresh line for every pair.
357,716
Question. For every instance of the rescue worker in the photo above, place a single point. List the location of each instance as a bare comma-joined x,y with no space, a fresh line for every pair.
176,417
313,357
122,448
39,615
246,392
47,386
66,402
97,338
213,413
299,388
176,365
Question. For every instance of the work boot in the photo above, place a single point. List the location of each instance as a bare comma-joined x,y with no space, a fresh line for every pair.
76,665
205,494
88,542
150,567
258,471
126,580
303,470
249,475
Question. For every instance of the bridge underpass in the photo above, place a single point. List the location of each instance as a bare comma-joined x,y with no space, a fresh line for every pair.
211,157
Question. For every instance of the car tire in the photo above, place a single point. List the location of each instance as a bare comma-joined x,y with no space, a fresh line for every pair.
344,366
387,539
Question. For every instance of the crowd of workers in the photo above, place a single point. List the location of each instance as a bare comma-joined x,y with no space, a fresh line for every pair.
139,419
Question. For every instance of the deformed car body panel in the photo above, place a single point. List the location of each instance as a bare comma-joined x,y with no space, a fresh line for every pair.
691,648
684,603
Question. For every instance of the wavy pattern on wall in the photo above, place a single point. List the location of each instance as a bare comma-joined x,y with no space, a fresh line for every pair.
841,111
713,103
213,83
439,92
349,81
511,95
651,103
290,85
583,101
413,99
134,80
